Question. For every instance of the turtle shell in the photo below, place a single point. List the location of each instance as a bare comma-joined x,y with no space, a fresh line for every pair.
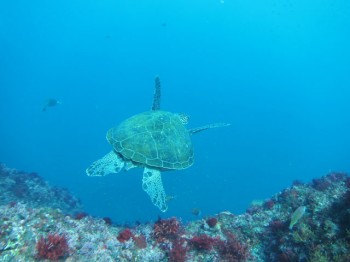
155,139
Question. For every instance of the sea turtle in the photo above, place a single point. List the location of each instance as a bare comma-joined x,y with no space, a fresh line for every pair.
155,140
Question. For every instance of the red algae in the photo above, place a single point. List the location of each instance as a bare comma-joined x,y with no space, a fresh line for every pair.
166,229
259,235
125,235
211,222
202,242
53,247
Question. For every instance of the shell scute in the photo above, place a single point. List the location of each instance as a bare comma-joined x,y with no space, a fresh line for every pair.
155,138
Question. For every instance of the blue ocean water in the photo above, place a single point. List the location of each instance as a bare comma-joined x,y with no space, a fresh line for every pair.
278,71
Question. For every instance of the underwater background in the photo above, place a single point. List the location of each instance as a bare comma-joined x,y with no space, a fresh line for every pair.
278,71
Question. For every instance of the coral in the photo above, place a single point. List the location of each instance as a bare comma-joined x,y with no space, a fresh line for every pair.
80,215
287,256
255,207
278,227
166,229
340,214
107,220
202,242
337,176
269,204
297,183
140,241
290,197
20,188
304,234
321,184
346,199
178,251
125,235
166,232
212,222
12,203
232,249
53,247
347,182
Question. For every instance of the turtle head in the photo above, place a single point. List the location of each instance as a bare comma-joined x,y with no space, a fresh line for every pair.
184,118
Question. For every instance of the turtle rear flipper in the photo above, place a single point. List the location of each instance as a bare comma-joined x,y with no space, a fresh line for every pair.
110,163
153,186
156,96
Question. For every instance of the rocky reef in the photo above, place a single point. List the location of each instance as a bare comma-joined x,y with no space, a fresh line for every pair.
32,190
305,222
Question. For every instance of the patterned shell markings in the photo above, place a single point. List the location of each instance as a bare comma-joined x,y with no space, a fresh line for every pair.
155,139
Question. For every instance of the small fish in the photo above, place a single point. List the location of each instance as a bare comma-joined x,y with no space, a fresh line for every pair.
297,214
50,103
196,211
170,198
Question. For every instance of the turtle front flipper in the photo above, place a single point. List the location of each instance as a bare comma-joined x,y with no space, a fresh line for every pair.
152,184
202,128
110,163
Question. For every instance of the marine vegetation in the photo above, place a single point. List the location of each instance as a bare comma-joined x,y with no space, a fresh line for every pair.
30,232
212,222
53,247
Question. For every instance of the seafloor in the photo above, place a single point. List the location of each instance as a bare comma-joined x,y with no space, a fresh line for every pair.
41,222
